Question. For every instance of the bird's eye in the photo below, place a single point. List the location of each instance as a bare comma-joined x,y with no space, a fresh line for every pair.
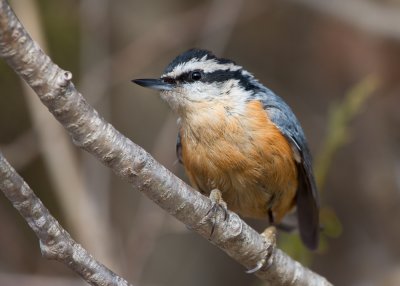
196,75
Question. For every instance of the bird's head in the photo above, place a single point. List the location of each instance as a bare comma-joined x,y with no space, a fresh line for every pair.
197,79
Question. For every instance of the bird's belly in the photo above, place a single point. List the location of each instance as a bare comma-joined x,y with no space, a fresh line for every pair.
249,199
250,187
247,159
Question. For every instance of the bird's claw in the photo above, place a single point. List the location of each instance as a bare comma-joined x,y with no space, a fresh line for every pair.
269,235
217,202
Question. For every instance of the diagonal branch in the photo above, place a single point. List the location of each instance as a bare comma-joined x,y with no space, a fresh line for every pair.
130,162
55,242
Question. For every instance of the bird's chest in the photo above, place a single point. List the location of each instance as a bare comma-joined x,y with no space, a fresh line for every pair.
242,155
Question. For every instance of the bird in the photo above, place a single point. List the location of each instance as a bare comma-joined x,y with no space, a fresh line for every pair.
238,137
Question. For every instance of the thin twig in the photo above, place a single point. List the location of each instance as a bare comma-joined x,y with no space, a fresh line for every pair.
130,162
55,242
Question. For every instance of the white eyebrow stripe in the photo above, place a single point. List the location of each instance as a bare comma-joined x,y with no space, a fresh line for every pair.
208,66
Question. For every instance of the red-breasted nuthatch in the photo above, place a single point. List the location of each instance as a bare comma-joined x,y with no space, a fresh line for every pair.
237,136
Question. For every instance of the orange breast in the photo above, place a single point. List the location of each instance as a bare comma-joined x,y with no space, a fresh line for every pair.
244,156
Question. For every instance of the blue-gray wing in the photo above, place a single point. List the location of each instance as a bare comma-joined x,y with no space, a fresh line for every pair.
307,195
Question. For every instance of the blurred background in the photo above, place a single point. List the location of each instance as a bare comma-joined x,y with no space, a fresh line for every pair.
337,64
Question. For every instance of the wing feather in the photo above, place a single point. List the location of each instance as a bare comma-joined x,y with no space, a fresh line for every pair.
307,195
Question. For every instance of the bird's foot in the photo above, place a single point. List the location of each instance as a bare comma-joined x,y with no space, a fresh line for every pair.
269,235
217,203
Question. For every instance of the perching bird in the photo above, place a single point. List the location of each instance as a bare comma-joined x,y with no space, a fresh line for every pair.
237,136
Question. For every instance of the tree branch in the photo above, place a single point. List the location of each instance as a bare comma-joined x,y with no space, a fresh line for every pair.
84,215
55,242
130,162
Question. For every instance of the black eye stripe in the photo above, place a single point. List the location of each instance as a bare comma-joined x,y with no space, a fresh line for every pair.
245,80
183,77
188,76
169,80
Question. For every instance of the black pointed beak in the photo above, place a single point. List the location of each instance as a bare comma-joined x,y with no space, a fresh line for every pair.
158,84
